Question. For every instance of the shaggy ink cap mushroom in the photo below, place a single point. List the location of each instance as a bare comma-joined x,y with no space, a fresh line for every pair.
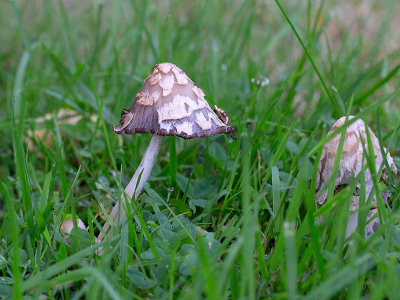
351,160
351,164
170,104
167,104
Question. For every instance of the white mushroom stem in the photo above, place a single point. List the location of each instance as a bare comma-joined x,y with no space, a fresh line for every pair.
145,167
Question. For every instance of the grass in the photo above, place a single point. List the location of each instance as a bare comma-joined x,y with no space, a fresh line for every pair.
218,219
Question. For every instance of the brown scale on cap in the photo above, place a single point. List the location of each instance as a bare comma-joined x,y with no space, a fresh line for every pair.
170,104
222,115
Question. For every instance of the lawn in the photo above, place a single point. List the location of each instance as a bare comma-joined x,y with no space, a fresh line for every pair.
218,218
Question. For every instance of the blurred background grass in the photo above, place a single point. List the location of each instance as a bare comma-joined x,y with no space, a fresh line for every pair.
68,68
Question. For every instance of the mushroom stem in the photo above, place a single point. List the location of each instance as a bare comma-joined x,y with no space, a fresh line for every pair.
143,171
352,222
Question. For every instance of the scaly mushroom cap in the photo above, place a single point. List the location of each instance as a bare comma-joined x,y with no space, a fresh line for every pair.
352,158
170,104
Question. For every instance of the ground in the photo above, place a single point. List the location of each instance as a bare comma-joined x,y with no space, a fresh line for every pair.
218,218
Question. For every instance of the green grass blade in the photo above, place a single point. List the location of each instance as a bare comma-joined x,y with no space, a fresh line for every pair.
276,197
341,278
15,261
249,227
338,106
379,84
20,161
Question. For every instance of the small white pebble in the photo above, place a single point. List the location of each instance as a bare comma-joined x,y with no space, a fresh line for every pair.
67,226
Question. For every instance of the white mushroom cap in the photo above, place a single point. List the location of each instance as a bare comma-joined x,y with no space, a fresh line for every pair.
170,104
351,160
67,226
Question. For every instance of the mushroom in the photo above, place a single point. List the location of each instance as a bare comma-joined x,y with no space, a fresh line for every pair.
167,104
350,166
67,226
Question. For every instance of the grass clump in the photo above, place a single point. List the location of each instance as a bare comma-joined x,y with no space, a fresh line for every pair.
218,219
